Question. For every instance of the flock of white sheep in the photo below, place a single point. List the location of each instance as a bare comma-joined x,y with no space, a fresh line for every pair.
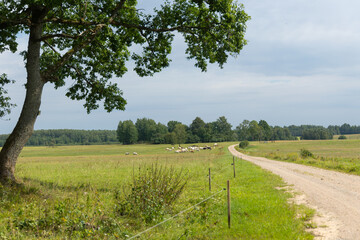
191,148
185,149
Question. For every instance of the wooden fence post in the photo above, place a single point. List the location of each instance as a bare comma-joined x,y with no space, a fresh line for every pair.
229,203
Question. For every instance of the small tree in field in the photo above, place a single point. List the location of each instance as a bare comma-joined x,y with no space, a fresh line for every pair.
88,42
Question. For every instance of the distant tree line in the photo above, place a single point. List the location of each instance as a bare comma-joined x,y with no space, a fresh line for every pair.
69,137
311,132
261,131
333,129
146,130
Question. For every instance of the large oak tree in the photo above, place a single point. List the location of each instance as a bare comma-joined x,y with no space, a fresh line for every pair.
89,43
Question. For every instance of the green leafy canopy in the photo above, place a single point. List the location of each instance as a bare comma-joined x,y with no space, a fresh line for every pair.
90,42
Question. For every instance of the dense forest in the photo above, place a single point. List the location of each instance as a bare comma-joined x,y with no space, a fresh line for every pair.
146,130
68,137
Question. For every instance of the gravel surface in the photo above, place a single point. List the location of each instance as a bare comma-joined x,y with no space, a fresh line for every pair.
335,196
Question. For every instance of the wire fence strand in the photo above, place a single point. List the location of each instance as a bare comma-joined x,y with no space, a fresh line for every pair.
170,218
216,173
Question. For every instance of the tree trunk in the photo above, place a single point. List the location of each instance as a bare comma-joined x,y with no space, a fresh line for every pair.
34,86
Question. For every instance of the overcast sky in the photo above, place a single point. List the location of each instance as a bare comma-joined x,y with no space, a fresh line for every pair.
301,66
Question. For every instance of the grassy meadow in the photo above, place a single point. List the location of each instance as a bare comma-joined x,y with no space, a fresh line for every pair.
340,155
79,192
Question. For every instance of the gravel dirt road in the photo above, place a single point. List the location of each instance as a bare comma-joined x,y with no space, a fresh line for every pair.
335,196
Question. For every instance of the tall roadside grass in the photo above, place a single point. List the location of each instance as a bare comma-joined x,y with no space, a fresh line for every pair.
339,155
89,192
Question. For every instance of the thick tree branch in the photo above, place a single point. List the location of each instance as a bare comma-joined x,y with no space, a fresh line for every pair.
115,12
48,75
5,23
71,22
52,48
58,35
181,28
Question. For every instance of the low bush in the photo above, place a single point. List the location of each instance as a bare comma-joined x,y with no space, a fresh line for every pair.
243,144
292,157
304,153
342,137
152,192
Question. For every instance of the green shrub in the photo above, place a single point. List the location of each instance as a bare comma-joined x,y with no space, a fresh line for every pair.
152,192
292,157
243,144
304,153
342,137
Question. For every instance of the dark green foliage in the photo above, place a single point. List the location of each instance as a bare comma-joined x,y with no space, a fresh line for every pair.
332,129
244,144
265,130
171,125
198,129
146,128
153,191
180,133
254,131
281,133
127,132
191,138
242,130
304,153
335,130
5,105
342,137
221,130
68,137
159,136
318,133
347,129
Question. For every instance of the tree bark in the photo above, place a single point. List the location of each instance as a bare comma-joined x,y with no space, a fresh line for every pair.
34,86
